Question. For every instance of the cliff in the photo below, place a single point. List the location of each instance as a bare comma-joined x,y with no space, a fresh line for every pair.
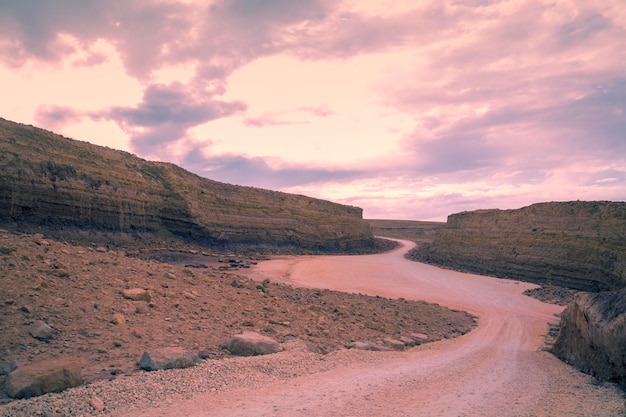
52,182
580,245
593,335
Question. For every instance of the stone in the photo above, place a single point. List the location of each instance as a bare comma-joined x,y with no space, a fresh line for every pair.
368,346
250,344
169,275
97,403
168,358
43,377
394,344
407,341
118,319
41,330
592,335
419,338
137,294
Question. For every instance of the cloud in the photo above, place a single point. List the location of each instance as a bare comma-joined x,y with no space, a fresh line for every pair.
257,172
166,113
55,117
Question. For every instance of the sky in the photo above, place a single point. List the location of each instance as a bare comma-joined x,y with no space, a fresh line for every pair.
411,109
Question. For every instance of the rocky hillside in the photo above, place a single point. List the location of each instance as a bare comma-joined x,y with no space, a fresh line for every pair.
580,245
52,182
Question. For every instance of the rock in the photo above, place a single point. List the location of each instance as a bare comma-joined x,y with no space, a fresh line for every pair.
43,377
394,344
97,403
169,275
250,344
407,341
168,358
204,354
137,294
101,249
189,295
419,338
592,335
118,319
367,346
41,330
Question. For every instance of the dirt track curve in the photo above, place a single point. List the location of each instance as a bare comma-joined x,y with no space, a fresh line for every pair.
498,369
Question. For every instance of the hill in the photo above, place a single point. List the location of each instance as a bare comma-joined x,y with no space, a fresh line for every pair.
71,189
578,244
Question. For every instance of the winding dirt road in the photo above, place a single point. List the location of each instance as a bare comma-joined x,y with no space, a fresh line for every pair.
498,369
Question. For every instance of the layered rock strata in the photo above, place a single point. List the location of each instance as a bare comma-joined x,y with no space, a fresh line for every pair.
50,181
579,244
593,335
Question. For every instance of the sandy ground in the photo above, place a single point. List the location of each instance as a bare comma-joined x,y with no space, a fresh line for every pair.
498,369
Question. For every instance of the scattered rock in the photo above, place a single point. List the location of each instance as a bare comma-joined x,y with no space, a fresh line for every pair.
97,404
250,344
137,294
169,275
43,377
367,346
407,341
394,344
168,358
41,330
419,338
118,319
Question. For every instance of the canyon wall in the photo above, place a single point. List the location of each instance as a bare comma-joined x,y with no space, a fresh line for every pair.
578,244
593,335
52,182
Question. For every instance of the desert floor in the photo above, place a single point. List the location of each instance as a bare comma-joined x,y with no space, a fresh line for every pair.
498,369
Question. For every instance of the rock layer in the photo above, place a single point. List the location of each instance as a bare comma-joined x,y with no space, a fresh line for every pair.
593,335
50,181
580,245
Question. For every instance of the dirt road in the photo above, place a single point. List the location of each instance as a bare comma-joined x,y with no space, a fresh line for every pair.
498,369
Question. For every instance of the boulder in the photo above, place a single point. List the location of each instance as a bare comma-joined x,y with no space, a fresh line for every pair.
168,358
419,338
43,377
592,335
368,346
118,318
41,330
137,294
394,344
250,344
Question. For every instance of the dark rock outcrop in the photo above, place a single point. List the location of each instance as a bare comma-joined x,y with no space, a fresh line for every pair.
593,335
580,244
48,181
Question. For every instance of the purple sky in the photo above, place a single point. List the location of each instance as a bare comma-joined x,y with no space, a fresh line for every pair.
408,109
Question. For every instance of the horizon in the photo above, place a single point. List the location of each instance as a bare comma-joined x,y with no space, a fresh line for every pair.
410,112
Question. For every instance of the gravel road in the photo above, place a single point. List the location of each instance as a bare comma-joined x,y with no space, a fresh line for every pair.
498,369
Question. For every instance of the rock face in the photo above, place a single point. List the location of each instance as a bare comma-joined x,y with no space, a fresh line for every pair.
43,377
580,245
593,335
50,181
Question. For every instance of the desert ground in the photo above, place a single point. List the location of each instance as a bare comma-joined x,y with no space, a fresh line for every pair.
500,368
